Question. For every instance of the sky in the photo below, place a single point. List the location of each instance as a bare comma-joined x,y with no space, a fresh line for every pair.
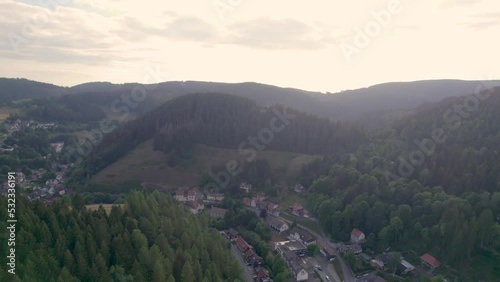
313,45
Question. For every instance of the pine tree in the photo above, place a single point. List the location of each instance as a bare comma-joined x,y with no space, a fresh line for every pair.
187,273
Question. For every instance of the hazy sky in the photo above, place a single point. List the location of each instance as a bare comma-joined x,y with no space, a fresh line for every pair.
314,45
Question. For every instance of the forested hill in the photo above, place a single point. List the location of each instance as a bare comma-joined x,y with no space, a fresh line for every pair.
462,137
149,238
363,103
366,104
227,121
441,197
18,89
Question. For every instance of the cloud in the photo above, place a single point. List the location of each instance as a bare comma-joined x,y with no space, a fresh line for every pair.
274,34
445,4
483,21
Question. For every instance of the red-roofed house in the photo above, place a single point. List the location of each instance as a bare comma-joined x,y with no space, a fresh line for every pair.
273,209
191,194
242,244
180,196
263,275
297,210
196,206
430,260
357,236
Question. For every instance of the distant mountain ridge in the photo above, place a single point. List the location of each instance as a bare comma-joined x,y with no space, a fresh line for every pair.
357,104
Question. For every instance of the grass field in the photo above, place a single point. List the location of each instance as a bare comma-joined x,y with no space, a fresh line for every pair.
150,166
5,112
106,207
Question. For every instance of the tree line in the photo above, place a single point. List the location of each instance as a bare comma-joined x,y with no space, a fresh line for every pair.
150,238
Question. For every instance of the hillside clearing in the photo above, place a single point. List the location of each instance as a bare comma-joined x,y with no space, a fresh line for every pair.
150,166
5,112
106,207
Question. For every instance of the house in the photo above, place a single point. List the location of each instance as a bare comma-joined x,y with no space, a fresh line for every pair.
191,195
298,188
180,196
357,236
215,197
232,234
58,146
290,246
377,264
297,210
242,245
406,266
326,250
216,212
301,235
355,248
273,209
342,248
263,205
196,206
276,224
300,274
262,275
252,258
293,262
430,260
245,186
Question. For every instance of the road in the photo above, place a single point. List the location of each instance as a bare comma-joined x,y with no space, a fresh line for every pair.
348,275
327,269
326,265
248,271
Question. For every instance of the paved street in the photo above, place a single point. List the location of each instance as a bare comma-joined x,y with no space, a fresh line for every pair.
237,254
348,275
247,269
327,269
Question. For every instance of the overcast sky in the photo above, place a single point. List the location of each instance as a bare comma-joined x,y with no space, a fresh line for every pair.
314,45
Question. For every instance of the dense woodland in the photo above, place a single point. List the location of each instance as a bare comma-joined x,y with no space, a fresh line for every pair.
449,206
33,146
151,238
20,89
223,120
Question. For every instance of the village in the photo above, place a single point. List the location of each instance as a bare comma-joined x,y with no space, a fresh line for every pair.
47,183
291,241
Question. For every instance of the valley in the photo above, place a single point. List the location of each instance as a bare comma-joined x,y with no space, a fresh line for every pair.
345,174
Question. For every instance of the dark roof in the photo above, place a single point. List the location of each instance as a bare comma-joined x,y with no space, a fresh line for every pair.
233,232
275,222
326,248
304,234
219,211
